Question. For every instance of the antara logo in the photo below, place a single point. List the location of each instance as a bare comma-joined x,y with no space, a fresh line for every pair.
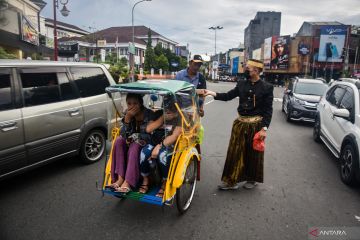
332,233
317,233
332,30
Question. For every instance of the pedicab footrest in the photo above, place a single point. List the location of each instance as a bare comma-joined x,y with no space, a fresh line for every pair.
150,197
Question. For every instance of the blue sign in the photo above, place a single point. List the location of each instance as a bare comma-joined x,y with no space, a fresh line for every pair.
332,42
235,66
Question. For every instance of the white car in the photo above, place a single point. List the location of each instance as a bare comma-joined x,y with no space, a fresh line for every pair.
337,124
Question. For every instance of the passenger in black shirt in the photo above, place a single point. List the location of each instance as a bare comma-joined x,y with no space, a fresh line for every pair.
243,163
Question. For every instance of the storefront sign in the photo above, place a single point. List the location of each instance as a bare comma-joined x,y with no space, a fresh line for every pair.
28,31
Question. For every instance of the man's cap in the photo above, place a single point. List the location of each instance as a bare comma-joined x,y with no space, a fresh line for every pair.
255,63
197,58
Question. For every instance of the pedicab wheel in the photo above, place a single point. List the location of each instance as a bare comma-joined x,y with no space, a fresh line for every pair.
185,193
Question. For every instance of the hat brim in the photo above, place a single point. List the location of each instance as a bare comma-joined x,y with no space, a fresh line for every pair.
197,61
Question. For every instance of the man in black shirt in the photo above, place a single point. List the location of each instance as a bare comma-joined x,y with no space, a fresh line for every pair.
243,163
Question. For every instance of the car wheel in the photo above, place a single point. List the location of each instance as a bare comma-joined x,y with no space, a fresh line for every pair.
288,114
316,130
283,106
348,164
93,146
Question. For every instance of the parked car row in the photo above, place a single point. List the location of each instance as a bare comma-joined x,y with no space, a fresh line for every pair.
50,110
227,78
335,109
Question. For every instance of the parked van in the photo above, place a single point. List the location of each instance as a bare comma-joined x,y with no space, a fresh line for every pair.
51,110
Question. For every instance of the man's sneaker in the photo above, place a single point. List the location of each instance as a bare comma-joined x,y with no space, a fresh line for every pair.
249,185
225,186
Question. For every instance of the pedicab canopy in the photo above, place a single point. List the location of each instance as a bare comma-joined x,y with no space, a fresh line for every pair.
152,86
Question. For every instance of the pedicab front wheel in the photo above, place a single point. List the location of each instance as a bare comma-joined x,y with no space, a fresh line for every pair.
185,193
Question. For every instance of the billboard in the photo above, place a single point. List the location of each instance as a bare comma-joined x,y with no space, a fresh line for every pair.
256,54
28,31
267,52
332,42
280,52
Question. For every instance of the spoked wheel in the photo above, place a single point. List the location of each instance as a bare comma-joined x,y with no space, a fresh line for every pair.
348,165
93,146
185,193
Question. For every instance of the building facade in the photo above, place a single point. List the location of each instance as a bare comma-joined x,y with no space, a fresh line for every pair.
114,40
20,27
264,25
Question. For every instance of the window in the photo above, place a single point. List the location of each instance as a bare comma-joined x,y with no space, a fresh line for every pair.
348,100
317,89
90,81
336,95
6,102
46,87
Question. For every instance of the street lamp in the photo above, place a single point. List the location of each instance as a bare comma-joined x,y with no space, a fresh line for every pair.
215,28
65,12
133,37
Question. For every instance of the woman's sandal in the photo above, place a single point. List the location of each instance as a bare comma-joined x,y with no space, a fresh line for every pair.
123,190
112,186
144,188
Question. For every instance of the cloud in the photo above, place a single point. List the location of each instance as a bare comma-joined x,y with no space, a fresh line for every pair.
188,21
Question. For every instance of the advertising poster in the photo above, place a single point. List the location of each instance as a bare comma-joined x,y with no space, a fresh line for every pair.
267,52
332,42
280,52
28,32
303,49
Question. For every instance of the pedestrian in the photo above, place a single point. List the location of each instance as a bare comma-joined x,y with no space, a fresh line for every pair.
192,75
243,163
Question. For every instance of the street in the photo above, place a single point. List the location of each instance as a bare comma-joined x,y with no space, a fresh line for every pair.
302,189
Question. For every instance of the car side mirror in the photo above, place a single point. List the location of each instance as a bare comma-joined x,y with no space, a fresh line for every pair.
288,91
342,112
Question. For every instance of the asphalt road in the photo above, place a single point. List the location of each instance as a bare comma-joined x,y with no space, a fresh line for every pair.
302,189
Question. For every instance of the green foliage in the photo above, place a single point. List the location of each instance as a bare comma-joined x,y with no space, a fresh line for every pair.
5,55
158,50
183,63
150,61
120,69
162,62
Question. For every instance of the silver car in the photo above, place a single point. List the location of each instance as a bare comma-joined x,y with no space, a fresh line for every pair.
51,110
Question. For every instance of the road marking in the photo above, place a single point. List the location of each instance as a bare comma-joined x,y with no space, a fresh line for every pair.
209,102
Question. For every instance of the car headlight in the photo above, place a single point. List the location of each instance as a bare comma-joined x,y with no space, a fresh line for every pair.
301,102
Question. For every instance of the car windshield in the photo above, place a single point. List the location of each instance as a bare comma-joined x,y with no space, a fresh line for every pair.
317,89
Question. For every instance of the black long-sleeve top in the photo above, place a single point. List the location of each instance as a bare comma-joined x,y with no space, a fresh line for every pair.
254,99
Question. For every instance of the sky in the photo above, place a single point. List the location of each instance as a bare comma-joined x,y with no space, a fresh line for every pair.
188,21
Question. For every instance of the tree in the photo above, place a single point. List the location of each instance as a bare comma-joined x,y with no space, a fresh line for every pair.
162,63
158,50
150,61
183,63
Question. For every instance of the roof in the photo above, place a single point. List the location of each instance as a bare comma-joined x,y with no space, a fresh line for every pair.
124,34
324,23
119,34
150,86
58,23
